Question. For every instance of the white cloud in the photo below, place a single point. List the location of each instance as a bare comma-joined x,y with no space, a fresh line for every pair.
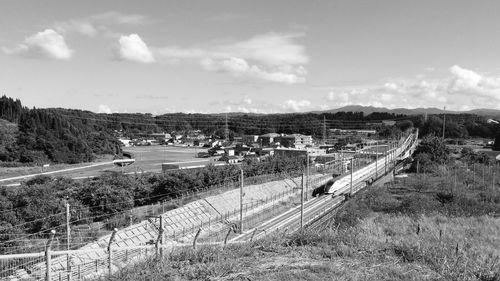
462,89
132,48
104,109
270,49
340,98
245,105
296,106
240,67
119,18
234,65
47,43
92,25
464,79
81,26
247,100
272,57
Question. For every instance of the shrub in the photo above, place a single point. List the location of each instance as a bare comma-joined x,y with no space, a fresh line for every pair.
415,204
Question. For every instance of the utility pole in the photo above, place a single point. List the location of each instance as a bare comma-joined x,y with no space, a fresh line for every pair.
324,129
241,201
352,168
302,204
307,179
376,162
68,235
444,121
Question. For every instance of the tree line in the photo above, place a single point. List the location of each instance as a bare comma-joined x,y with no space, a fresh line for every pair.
72,136
39,203
46,135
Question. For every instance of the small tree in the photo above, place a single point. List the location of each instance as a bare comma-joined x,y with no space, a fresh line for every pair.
431,152
435,147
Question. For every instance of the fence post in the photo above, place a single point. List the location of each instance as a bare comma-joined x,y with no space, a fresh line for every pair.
227,236
110,252
48,256
159,241
68,237
241,201
196,238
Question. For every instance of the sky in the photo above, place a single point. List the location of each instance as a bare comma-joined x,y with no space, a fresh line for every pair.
250,56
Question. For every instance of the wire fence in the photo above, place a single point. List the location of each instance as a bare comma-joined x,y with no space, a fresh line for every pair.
85,229
158,234
82,234
23,265
91,261
88,264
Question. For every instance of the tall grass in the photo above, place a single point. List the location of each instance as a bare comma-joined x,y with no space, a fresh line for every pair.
422,229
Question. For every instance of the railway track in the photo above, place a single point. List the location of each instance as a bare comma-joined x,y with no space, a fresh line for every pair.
317,207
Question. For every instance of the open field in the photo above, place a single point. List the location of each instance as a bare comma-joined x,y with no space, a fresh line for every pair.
147,159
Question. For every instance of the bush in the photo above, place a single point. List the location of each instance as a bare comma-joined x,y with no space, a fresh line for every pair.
351,213
415,204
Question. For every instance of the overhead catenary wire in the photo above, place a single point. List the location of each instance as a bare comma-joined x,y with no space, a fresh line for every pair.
220,120
176,192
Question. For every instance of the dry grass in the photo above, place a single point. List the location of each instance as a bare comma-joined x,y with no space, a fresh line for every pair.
380,247
383,234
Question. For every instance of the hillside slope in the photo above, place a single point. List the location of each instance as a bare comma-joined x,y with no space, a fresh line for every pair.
377,236
47,135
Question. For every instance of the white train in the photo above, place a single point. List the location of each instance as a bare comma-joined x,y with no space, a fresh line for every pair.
369,173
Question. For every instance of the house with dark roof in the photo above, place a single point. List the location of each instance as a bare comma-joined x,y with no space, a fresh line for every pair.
268,139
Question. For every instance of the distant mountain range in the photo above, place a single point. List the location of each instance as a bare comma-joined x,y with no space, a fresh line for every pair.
416,111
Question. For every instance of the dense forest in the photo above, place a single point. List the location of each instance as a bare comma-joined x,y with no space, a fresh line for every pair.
71,136
46,135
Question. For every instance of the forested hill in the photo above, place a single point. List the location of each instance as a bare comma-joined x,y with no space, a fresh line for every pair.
214,124
72,136
46,135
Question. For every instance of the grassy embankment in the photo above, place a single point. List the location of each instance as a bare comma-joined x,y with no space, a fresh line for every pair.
421,229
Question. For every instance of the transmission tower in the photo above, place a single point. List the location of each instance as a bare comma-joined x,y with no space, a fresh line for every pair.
324,129
226,131
444,120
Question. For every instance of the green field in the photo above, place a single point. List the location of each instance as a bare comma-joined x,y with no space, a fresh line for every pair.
147,159
150,158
